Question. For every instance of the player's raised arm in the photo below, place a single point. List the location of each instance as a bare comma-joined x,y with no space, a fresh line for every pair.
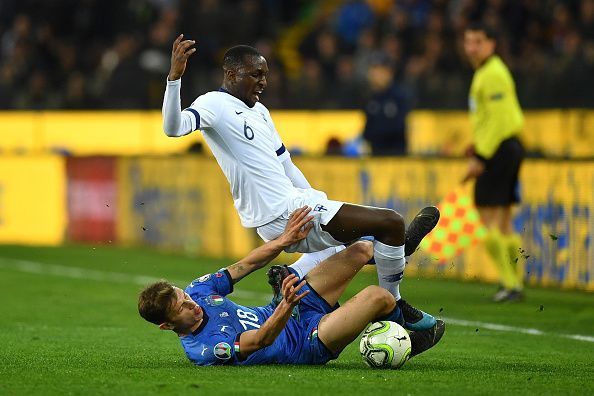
252,340
175,123
297,228
180,53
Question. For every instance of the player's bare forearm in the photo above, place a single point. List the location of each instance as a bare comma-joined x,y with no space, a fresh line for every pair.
253,340
256,259
297,229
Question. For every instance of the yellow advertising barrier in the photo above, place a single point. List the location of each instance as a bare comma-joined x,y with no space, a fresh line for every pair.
178,203
140,132
560,133
32,200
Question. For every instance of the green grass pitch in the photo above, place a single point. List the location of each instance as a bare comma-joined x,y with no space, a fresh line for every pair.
69,325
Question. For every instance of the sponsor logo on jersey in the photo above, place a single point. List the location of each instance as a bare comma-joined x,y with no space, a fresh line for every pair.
320,208
204,278
214,300
222,351
224,314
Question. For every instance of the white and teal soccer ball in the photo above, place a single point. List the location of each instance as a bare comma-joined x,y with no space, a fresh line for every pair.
385,344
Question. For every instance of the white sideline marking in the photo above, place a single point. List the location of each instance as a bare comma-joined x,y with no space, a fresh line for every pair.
512,329
34,267
493,326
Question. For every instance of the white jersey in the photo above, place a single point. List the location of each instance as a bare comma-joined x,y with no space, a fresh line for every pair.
250,152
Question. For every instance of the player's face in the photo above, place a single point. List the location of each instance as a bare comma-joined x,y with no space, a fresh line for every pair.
478,46
185,314
250,80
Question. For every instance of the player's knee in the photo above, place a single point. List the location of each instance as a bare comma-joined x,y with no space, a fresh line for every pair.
397,220
380,298
363,250
392,221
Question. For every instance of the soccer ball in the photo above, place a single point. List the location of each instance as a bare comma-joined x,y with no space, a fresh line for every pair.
385,344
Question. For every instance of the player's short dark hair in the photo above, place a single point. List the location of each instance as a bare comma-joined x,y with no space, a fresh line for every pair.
154,302
235,57
478,26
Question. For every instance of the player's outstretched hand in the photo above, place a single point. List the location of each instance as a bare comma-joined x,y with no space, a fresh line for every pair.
179,57
290,289
298,226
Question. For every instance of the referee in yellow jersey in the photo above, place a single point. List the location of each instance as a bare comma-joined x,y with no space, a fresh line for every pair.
496,155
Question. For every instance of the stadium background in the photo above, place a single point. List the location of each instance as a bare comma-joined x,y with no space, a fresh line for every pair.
73,169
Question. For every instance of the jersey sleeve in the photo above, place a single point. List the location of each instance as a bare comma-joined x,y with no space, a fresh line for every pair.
294,174
219,283
204,111
281,151
175,122
220,348
495,89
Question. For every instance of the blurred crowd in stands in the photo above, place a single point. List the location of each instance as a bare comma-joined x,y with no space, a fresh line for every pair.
101,54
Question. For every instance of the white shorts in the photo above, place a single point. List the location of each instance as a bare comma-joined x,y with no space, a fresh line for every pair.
323,211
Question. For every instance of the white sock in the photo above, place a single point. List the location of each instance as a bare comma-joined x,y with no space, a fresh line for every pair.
309,261
389,264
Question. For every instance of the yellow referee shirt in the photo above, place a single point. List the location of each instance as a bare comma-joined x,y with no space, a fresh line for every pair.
495,113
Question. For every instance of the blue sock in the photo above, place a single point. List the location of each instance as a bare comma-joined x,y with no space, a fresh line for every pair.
395,316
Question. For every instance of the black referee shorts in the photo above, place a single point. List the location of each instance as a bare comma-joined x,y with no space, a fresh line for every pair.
498,184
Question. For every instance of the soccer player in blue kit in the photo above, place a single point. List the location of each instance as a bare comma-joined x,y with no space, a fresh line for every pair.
215,330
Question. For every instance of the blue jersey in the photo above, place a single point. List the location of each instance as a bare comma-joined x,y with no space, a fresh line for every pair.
216,341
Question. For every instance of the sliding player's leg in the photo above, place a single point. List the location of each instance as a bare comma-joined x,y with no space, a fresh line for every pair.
342,326
339,328
330,278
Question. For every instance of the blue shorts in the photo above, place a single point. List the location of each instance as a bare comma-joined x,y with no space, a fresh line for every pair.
311,310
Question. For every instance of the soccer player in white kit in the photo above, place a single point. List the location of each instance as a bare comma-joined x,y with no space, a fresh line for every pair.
265,184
